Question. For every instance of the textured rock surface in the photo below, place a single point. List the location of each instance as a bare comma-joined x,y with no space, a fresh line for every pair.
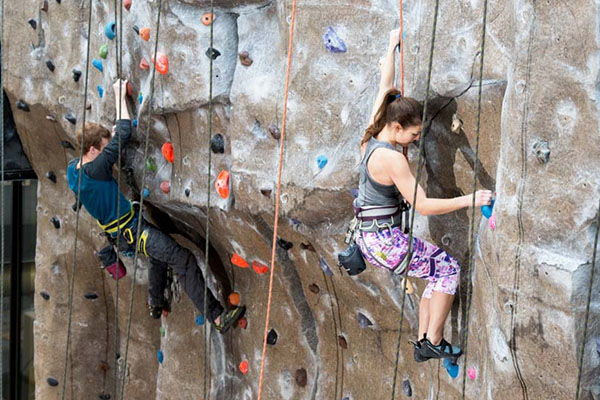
531,274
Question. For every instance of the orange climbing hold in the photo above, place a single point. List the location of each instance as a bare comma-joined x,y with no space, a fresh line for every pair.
234,299
145,34
162,63
244,367
127,4
243,323
259,268
167,151
208,18
144,64
222,184
238,261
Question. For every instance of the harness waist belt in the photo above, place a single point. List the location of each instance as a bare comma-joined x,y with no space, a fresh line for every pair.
119,223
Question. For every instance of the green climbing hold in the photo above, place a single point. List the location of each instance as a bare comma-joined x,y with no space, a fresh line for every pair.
163,331
151,165
103,51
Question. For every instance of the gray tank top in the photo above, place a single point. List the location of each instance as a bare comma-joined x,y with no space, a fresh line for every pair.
370,192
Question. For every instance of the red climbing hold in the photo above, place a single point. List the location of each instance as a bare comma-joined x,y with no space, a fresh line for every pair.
145,34
238,261
243,323
165,186
144,64
127,4
244,367
234,299
222,184
167,151
162,63
208,19
129,89
259,268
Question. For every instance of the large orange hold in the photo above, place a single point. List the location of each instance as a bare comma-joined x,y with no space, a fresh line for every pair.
222,184
162,63
244,367
145,34
259,268
234,299
208,18
238,261
168,152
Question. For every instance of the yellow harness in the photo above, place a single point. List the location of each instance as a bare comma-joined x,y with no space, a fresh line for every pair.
120,224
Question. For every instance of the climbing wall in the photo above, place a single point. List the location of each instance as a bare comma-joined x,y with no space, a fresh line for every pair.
330,336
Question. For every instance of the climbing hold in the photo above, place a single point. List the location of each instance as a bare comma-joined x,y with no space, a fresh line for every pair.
51,175
165,313
333,42
76,75
104,396
472,373
144,64
314,288
301,377
243,322
492,222
56,222
109,30
266,192
167,152
284,244
44,6
165,186
187,192
407,388
487,210
129,89
451,368
71,118
33,23
135,123
259,268
90,296
127,4
103,52
88,106
244,367
136,29
217,144
208,18
162,63
274,131
67,145
325,267
200,320
100,91
21,105
363,321
146,193
307,246
222,184
321,162
245,59
45,295
162,331
598,345
238,261
50,65
234,298
140,97
151,164
52,382
542,151
214,54
272,337
51,118
457,124
145,34
160,356
342,342
98,64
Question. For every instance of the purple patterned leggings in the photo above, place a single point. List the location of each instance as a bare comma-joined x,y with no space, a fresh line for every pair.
386,250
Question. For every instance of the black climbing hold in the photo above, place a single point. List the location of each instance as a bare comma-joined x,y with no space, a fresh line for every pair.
301,377
266,192
76,75
407,388
284,244
51,175
71,118
342,342
314,288
272,337
136,29
307,246
214,55
77,205
56,222
45,295
33,23
45,6
21,105
58,1
274,131
217,144
50,65
67,145
52,382
187,192
542,151
104,396
91,296
363,320
118,356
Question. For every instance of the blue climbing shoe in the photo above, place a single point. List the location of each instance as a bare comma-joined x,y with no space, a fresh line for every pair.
229,318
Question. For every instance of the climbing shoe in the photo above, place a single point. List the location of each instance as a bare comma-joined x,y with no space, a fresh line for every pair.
157,310
229,318
418,346
443,350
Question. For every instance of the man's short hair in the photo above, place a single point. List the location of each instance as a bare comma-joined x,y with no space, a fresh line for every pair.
94,133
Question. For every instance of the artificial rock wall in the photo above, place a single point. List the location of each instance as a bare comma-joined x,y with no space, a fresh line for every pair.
336,335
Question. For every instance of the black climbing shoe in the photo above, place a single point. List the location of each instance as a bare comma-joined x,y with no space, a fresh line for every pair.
229,318
157,310
418,345
443,350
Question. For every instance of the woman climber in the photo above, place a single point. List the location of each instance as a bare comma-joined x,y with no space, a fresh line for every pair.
101,197
385,178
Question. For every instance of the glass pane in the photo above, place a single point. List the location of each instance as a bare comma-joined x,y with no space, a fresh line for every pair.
7,212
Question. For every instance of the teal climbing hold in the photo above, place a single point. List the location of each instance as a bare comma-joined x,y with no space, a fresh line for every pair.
109,30
98,64
103,52
160,356
322,161
487,210
140,97
146,193
200,320
100,91
451,368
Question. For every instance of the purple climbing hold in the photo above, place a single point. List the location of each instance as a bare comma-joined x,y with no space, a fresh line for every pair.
272,337
52,381
333,42
98,64
45,295
71,118
76,75
363,321
100,91
160,356
325,267
200,320
354,192
33,23
407,388
109,30
21,105
56,222
50,65
217,144
51,175
90,296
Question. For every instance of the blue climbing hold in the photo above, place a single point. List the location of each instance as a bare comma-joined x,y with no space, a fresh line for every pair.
200,320
135,123
140,97
487,210
363,321
160,356
98,64
451,368
322,161
100,91
109,30
354,192
146,193
333,42
325,267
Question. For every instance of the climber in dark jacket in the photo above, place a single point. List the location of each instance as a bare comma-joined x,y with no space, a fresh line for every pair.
101,197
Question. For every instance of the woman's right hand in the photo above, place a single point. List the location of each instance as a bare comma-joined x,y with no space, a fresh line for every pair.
394,37
482,198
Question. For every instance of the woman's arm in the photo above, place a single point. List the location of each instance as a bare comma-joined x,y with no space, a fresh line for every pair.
388,72
121,100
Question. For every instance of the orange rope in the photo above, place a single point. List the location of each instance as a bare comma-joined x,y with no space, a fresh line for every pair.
401,44
276,223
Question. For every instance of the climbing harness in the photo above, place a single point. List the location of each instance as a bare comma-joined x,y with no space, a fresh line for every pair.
114,226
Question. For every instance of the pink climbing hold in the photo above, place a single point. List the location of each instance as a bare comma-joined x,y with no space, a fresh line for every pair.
165,186
492,222
127,4
472,373
144,64
129,89
243,322
244,367
259,268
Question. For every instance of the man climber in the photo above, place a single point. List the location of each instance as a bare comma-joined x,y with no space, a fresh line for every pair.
101,197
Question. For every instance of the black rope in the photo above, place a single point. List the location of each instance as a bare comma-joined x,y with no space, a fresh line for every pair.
3,44
414,203
72,284
587,306
139,222
208,192
472,229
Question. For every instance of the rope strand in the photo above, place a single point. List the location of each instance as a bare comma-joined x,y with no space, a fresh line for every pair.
2,43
